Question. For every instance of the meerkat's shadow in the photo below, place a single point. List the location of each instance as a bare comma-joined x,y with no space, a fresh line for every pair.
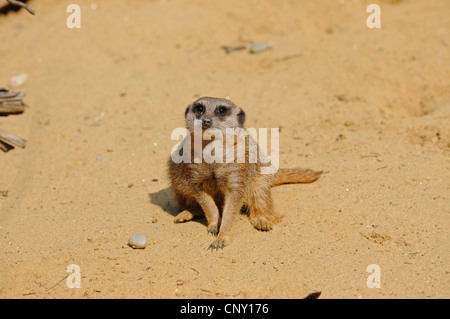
165,198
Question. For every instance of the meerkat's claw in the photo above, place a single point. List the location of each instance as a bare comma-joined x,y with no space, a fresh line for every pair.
213,229
218,243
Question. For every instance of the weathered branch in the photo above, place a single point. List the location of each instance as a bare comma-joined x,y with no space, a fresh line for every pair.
11,103
11,139
11,108
21,4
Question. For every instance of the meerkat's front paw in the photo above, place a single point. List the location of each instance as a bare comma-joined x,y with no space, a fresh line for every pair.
218,243
213,228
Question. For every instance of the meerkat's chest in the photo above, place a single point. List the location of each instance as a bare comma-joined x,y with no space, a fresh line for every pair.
210,175
208,179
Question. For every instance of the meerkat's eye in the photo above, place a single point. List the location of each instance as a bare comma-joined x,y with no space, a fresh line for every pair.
221,111
199,108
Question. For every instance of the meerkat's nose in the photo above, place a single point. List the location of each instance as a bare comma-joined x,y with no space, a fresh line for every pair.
206,123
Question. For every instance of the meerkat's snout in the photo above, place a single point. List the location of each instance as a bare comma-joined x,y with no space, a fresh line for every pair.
207,123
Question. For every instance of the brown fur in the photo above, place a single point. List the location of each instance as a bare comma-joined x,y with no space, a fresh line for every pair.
219,191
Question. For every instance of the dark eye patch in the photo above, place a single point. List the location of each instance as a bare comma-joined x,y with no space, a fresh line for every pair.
221,111
199,108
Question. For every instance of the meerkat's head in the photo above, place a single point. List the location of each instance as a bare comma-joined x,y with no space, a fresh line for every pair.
214,113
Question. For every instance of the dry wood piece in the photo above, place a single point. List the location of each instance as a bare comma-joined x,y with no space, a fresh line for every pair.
5,147
230,49
11,139
21,4
11,103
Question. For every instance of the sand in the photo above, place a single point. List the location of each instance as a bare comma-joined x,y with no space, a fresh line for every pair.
371,107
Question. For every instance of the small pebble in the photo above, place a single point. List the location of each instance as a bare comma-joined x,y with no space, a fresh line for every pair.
137,241
18,80
260,47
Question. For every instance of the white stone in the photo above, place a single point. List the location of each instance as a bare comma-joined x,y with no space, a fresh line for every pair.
260,47
137,241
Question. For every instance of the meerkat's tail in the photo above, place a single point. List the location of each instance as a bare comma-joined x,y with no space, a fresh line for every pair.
295,175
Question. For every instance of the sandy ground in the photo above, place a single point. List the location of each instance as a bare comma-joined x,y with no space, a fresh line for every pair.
369,106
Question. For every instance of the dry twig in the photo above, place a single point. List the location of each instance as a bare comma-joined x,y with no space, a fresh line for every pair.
21,4
11,139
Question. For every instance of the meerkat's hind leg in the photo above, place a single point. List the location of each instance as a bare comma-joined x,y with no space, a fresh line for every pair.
259,219
261,212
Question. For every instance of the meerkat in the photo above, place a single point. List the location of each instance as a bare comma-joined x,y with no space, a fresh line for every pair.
219,191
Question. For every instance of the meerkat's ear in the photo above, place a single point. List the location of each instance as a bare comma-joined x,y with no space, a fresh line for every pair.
241,118
187,110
